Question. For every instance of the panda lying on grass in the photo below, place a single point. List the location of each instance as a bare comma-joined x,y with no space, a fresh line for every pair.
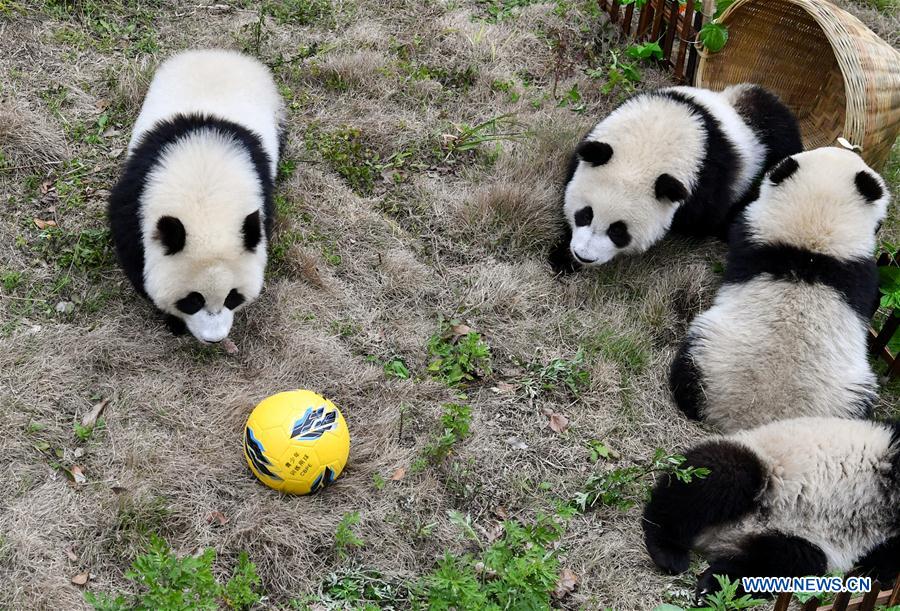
682,158
792,498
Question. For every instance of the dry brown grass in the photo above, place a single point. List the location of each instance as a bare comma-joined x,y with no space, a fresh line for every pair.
362,273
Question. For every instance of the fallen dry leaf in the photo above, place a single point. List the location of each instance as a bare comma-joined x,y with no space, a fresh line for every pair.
217,517
566,584
460,330
398,474
90,418
517,443
505,387
78,474
558,423
80,579
101,104
229,346
46,187
547,411
71,555
41,224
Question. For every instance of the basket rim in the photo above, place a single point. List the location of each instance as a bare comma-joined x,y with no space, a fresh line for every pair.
831,19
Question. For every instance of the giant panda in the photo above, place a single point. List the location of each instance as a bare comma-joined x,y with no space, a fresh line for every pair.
792,498
787,333
681,158
191,213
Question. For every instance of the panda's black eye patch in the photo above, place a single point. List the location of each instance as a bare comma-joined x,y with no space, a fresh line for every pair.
618,234
670,188
783,170
234,299
190,304
170,232
584,216
251,230
869,186
594,153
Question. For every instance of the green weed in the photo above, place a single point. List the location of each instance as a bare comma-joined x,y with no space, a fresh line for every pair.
624,487
166,581
299,12
518,571
495,11
84,433
469,138
346,152
726,599
344,537
11,280
456,421
559,374
458,359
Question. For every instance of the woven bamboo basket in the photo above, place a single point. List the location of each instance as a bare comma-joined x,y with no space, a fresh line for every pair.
837,76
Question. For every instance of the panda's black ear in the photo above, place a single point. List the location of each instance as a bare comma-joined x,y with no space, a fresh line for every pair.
594,153
670,188
868,186
783,170
251,230
170,232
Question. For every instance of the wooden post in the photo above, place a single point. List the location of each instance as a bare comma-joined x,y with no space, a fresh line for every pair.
686,34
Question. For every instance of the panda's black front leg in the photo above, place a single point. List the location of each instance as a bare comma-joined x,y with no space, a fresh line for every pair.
883,562
175,325
765,555
560,256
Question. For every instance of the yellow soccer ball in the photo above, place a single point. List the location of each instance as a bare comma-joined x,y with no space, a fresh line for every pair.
296,442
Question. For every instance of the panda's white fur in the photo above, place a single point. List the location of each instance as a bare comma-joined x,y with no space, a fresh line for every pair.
204,151
791,498
218,82
787,333
713,145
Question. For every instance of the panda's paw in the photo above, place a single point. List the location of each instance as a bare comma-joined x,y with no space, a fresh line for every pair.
672,560
707,584
175,325
561,259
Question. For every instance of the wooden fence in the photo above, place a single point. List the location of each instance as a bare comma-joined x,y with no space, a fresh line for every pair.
879,340
673,25
843,602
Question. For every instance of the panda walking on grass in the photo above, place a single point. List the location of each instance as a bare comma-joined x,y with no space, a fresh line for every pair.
192,211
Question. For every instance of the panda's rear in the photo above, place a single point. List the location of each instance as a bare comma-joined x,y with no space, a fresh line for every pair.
192,211
787,333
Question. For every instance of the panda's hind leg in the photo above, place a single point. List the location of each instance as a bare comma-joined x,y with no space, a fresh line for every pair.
765,555
686,382
678,512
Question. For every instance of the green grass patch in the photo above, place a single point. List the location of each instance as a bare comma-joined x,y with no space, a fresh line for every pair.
623,487
344,537
300,12
559,374
166,581
458,355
